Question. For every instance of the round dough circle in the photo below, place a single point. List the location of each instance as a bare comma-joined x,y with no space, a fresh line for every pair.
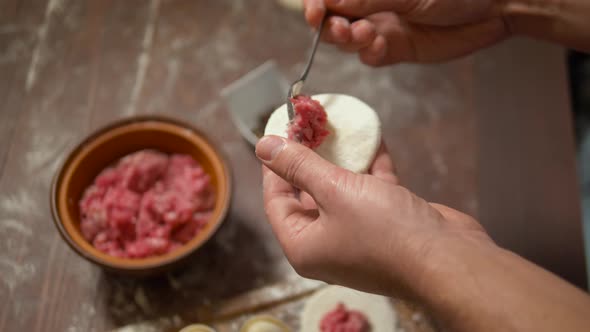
197,328
264,323
377,309
355,131
292,4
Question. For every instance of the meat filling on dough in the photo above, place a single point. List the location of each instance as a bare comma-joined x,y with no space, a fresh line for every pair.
343,320
309,125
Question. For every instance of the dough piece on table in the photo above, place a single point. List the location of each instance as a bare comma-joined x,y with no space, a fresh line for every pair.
264,323
197,328
355,131
378,309
292,4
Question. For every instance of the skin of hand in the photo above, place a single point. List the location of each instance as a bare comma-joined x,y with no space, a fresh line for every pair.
353,229
385,32
367,232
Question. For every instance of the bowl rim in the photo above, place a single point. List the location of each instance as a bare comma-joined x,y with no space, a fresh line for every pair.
166,260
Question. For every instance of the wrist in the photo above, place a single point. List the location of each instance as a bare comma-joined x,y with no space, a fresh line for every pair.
474,285
448,286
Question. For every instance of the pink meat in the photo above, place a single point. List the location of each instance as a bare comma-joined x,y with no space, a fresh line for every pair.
309,125
343,320
148,204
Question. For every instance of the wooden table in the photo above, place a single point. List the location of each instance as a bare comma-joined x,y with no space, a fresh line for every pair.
490,135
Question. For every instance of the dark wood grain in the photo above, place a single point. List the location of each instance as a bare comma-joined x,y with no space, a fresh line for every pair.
74,66
528,197
18,35
19,22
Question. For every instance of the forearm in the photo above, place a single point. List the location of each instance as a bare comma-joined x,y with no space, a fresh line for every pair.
566,22
474,286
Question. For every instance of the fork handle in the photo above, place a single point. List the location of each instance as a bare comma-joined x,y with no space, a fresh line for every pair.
316,41
295,88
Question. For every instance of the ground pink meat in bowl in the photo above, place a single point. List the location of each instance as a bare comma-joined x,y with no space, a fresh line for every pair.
309,124
340,319
148,204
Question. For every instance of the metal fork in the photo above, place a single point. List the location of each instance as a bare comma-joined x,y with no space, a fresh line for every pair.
297,86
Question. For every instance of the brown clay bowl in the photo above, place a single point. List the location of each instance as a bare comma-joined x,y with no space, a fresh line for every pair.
107,145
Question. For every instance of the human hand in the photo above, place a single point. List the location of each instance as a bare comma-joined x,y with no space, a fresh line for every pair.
392,31
363,231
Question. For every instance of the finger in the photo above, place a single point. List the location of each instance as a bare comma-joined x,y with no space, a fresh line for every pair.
307,201
362,34
274,185
374,54
336,30
391,32
360,8
300,166
279,196
287,216
314,11
383,167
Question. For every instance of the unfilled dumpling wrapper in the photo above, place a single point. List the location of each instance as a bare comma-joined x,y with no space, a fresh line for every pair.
355,131
292,4
197,328
264,323
376,308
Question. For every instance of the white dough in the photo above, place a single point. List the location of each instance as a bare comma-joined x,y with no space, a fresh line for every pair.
264,323
292,4
377,309
197,328
265,327
355,131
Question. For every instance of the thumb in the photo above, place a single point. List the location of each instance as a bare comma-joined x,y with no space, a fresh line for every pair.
299,166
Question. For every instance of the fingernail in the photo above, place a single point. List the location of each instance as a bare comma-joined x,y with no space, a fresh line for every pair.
336,20
268,147
362,24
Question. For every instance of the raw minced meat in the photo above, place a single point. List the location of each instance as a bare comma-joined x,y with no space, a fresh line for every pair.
148,204
309,124
340,319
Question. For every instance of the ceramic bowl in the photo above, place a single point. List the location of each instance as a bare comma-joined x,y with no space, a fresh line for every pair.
104,148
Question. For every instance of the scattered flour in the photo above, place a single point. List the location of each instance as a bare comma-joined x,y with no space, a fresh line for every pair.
81,321
9,226
13,273
142,300
19,202
38,58
143,60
